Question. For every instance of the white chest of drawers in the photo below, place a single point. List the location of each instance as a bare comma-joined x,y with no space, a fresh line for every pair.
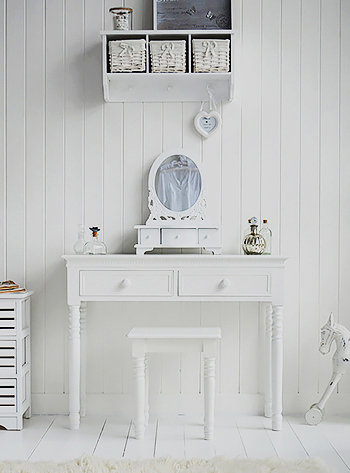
15,390
175,278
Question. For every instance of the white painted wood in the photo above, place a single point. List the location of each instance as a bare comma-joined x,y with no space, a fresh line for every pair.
3,219
15,140
67,147
309,192
276,367
145,86
74,366
290,235
178,339
62,444
77,290
344,180
15,361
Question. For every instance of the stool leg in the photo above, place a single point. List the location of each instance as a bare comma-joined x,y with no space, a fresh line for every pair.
209,397
139,374
146,391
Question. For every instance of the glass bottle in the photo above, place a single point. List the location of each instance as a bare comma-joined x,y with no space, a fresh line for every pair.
254,243
266,232
79,244
95,246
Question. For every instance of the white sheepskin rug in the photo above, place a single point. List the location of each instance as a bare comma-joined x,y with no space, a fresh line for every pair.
88,464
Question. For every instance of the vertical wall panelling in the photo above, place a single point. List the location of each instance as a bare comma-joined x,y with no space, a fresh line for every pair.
15,140
74,129
251,155
329,170
231,214
3,231
281,153
344,173
35,180
93,178
55,311
290,184
271,116
152,148
309,194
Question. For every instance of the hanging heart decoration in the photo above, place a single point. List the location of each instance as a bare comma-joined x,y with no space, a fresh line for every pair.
207,122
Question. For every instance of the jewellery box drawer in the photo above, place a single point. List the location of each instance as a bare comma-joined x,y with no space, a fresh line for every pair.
179,237
209,237
126,283
149,236
7,358
8,397
220,283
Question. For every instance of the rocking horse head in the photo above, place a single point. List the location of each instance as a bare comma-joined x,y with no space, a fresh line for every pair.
328,333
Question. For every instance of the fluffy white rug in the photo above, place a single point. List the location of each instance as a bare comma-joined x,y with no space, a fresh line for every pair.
87,464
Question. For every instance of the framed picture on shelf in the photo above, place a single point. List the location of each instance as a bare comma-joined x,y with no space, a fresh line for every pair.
193,14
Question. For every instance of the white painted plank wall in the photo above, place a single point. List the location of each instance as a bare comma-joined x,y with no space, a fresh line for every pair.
282,153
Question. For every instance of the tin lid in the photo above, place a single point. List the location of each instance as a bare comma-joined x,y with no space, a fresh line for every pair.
116,9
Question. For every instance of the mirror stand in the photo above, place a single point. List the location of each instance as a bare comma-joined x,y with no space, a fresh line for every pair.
177,205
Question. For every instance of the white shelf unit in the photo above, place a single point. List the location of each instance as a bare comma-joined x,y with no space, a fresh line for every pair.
186,86
15,386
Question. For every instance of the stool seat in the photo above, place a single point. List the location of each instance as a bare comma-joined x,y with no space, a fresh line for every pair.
173,339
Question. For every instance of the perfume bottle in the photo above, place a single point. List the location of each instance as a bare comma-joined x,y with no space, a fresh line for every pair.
95,246
266,232
79,244
254,243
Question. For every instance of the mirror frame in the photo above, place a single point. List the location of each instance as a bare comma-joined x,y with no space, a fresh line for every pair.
162,216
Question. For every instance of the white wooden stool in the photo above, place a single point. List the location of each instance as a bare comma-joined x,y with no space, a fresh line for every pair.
173,339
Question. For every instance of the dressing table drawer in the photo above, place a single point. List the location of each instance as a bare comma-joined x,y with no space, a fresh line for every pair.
179,237
149,236
218,283
209,237
127,283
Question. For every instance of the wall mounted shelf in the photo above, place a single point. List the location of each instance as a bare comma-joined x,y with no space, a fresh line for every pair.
148,86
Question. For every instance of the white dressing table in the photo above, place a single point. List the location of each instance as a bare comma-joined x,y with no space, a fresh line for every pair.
175,278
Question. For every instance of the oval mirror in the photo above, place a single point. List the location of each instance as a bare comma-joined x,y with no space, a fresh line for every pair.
178,183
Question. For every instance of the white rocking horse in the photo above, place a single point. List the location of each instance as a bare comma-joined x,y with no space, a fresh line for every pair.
329,332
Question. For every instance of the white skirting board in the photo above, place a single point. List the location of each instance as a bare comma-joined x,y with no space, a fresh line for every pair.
107,404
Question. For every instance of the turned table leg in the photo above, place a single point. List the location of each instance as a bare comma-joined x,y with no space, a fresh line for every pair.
276,367
268,335
74,366
83,325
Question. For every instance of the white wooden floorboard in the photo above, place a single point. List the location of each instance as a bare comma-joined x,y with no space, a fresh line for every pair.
285,442
138,449
112,441
227,439
195,445
316,444
337,432
60,443
254,436
19,444
171,437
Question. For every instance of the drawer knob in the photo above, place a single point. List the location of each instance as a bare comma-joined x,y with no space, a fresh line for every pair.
125,282
177,237
225,283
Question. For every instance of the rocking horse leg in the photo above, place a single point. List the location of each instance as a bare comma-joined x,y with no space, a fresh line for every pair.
315,414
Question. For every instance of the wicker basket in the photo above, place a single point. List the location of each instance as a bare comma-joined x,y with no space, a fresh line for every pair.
127,56
211,55
168,56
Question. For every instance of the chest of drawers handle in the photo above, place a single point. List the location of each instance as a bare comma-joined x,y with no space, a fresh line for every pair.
125,282
225,282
